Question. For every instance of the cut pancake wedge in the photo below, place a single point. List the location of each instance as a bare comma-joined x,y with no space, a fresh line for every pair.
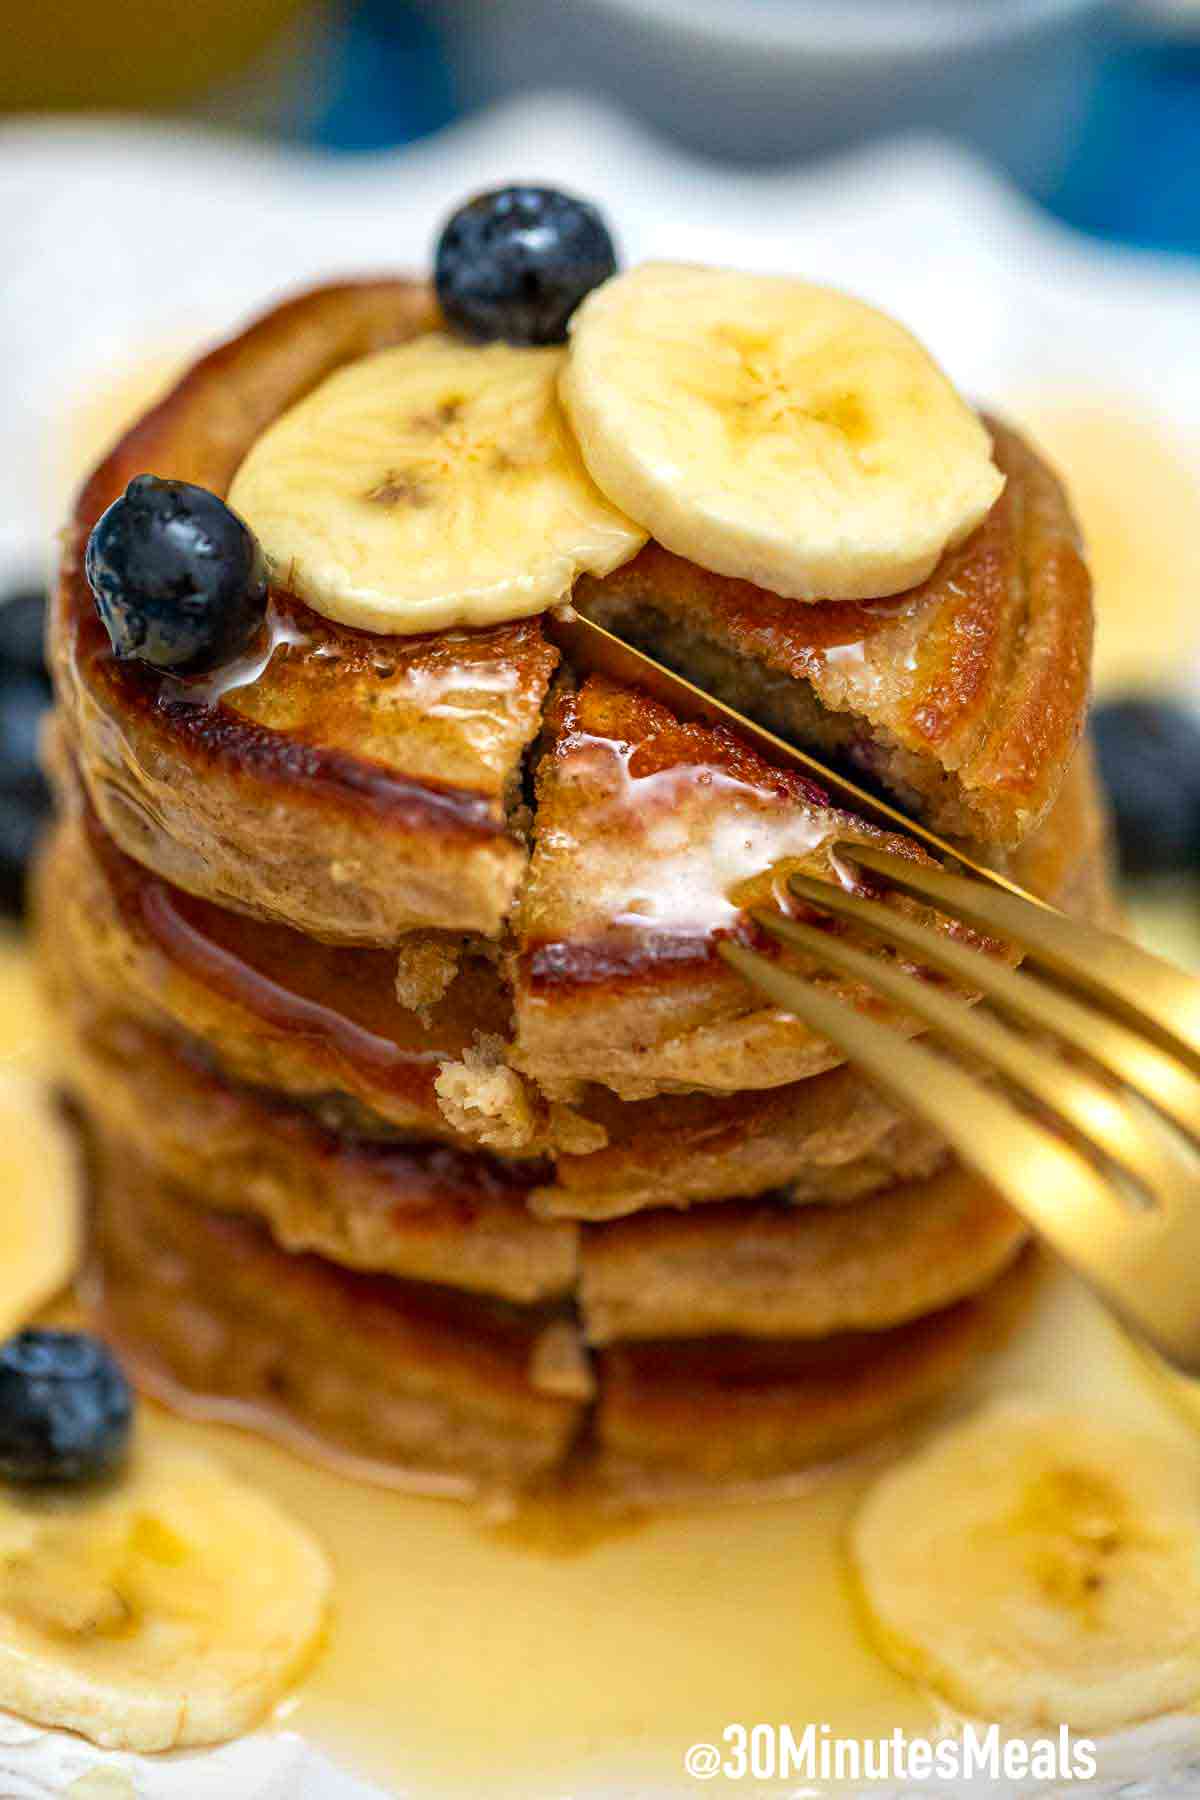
653,838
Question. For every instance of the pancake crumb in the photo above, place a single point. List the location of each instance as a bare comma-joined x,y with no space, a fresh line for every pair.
426,965
485,1100
570,1132
559,1363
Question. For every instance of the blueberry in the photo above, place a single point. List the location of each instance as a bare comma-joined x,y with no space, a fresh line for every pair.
24,791
515,263
23,705
21,823
179,580
66,1410
24,699
1149,753
22,631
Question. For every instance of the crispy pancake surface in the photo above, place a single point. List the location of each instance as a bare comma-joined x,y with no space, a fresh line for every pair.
965,697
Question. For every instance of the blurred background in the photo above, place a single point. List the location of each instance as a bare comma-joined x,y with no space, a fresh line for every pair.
1018,179
1093,105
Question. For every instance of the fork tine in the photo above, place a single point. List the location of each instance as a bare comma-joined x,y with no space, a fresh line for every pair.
1140,989
1130,1255
1141,1065
1090,1107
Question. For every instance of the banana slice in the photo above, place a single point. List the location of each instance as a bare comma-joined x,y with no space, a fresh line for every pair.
169,1609
1040,1568
40,1200
776,431
430,485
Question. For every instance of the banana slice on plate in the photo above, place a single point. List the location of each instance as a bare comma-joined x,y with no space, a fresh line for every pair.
430,485
170,1608
40,1200
1040,1568
768,429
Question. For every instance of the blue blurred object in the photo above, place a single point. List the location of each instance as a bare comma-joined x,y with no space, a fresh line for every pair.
1133,174
393,81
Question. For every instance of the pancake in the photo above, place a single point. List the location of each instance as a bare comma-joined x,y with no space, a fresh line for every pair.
418,1385
964,698
404,1382
672,1415
834,1138
651,838
754,1269
389,973
351,786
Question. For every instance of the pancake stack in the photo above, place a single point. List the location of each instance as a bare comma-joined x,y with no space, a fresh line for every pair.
426,1124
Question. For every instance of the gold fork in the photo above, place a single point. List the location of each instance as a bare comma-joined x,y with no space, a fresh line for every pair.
1105,1170
1094,1133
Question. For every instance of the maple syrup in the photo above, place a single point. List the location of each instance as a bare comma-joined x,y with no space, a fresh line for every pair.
342,999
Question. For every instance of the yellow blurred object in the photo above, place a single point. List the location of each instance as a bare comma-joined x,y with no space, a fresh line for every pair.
1136,494
28,1041
104,414
141,55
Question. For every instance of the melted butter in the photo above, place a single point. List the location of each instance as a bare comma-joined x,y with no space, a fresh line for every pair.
701,839
449,693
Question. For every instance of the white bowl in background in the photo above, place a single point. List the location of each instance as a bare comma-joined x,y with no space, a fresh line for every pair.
768,80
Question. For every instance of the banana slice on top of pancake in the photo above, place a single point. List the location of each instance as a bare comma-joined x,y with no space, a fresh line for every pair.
171,1607
41,1210
430,485
1039,1567
773,430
